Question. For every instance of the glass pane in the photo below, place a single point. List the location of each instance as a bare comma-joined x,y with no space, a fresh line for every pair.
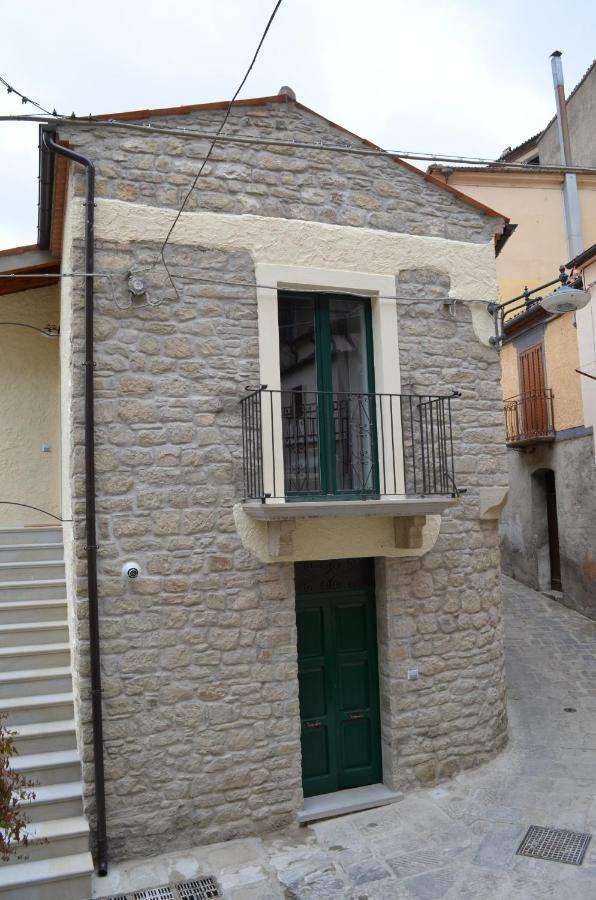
299,399
353,405
349,364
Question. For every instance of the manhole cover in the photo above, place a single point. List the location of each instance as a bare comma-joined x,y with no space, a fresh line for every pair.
556,844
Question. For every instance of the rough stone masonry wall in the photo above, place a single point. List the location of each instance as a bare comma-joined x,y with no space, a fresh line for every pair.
199,655
441,613
314,185
524,524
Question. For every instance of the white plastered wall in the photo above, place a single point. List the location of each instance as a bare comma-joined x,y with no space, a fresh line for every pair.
29,408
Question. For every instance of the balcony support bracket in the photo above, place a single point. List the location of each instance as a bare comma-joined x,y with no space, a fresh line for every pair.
491,501
409,532
336,536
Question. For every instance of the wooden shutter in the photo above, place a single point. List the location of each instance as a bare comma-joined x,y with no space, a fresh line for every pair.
531,369
534,403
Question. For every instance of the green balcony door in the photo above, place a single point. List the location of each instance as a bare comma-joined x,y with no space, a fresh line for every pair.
339,696
327,396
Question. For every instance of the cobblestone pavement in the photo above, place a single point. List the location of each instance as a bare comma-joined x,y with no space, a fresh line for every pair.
457,840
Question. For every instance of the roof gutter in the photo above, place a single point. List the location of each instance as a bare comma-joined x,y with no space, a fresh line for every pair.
50,145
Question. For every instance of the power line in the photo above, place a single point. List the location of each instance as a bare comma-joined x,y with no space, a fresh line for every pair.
306,145
201,279
218,132
10,89
36,508
48,332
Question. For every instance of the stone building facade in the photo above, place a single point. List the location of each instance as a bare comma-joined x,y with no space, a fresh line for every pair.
201,694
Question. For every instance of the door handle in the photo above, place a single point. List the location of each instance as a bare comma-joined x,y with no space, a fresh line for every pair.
311,724
356,716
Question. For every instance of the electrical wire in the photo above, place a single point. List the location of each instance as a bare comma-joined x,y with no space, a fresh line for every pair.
48,332
213,142
308,145
36,508
56,275
201,279
10,89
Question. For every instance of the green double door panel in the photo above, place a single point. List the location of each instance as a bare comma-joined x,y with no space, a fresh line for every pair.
339,695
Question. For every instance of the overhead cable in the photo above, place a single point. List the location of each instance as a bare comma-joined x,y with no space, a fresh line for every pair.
36,508
219,282
213,142
47,332
10,89
299,144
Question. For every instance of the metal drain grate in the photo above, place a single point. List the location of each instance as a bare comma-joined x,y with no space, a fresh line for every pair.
203,888
556,844
200,889
157,893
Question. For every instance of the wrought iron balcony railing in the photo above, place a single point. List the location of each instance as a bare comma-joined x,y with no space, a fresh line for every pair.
318,445
529,418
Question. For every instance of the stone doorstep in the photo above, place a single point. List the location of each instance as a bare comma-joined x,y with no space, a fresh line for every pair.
340,803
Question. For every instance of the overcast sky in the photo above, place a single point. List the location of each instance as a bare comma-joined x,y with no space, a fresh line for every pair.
465,77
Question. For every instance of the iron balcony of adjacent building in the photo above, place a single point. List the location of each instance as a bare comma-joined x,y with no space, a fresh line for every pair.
529,418
305,451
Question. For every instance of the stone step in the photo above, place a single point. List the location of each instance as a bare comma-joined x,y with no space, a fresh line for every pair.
62,878
33,633
52,838
30,552
41,737
34,656
14,611
44,534
32,571
55,801
44,589
24,682
41,708
54,767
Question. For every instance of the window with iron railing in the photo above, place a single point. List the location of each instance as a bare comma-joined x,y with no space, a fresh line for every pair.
316,445
529,417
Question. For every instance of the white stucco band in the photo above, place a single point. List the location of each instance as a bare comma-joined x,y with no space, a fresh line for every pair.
295,242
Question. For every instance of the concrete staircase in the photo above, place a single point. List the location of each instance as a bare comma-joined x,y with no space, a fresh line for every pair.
36,695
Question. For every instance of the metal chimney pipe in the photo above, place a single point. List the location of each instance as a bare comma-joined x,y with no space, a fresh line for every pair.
570,193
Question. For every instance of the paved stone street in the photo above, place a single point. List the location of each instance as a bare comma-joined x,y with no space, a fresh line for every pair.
457,840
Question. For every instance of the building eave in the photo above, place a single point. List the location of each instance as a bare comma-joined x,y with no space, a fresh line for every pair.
582,258
23,261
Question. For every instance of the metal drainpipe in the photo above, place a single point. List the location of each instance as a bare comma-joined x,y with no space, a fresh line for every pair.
94,651
570,194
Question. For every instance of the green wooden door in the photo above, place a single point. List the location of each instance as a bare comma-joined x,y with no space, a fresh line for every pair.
339,696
